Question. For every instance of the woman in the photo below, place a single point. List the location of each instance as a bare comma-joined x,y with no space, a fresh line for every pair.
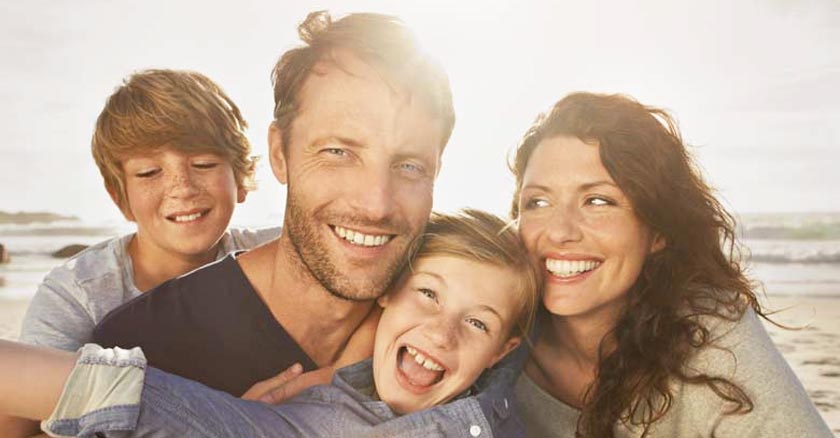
651,326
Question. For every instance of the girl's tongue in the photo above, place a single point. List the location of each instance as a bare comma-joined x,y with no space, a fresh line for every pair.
416,373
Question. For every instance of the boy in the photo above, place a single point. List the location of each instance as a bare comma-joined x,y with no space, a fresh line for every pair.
468,295
172,150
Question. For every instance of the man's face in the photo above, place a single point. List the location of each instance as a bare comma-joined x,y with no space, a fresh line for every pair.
360,164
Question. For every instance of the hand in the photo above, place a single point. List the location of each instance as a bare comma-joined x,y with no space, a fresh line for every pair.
289,383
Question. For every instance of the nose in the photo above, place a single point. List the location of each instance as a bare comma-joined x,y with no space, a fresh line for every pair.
182,183
443,332
373,196
564,225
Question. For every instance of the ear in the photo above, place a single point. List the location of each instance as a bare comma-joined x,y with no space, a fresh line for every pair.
112,192
276,154
241,194
383,300
658,243
509,346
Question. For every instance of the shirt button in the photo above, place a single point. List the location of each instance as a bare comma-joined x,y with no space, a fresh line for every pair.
475,430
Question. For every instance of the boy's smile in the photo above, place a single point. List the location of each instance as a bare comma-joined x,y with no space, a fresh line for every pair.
182,202
449,319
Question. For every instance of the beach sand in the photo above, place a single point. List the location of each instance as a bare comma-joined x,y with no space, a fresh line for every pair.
11,315
812,351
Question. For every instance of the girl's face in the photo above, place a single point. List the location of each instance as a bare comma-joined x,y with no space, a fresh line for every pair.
448,321
581,230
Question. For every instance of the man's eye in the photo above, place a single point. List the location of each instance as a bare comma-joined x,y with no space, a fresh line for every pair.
412,167
146,173
336,151
479,324
428,293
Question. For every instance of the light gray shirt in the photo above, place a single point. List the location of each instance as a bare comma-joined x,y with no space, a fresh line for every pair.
75,296
782,408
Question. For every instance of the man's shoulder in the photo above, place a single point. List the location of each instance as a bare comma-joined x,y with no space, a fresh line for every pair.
172,302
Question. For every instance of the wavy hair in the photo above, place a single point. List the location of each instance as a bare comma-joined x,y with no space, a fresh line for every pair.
698,274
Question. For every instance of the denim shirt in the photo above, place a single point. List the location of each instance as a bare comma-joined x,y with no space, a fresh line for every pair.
103,398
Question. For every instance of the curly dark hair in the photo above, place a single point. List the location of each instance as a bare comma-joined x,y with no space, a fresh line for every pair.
697,274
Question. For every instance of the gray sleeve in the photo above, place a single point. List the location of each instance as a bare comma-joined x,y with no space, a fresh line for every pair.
781,406
56,317
243,238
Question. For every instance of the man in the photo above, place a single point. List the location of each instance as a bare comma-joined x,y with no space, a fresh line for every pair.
361,120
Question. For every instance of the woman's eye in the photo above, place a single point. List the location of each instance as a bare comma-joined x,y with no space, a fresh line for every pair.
534,203
205,165
428,293
477,323
599,201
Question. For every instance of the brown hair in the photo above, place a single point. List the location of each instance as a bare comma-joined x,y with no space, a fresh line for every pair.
697,274
482,237
381,41
181,109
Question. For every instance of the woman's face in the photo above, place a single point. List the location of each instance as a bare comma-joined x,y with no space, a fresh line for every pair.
581,230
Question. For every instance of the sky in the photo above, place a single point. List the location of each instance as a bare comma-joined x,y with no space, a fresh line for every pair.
754,84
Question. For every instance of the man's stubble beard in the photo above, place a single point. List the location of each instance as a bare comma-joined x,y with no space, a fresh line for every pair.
314,256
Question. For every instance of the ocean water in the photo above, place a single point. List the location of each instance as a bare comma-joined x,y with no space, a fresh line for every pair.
790,254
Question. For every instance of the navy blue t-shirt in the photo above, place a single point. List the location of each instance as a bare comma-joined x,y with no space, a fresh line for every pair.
210,326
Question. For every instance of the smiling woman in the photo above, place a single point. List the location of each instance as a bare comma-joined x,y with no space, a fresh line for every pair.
651,326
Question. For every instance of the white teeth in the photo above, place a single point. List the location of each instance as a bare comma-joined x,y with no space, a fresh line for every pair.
423,361
569,268
188,217
360,239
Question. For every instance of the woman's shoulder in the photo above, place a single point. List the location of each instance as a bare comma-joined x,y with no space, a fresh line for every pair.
740,351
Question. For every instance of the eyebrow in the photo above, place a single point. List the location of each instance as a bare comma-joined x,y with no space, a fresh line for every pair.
337,139
582,188
491,310
594,184
431,274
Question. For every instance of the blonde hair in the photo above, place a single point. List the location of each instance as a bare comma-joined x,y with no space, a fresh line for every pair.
181,109
479,236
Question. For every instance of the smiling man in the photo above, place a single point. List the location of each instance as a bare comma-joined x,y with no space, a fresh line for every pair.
361,119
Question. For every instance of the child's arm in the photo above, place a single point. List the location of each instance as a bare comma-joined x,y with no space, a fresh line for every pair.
31,379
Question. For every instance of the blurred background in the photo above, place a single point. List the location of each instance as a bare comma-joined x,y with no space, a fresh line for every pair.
755,86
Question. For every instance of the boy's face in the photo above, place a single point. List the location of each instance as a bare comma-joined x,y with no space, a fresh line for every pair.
448,321
181,202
